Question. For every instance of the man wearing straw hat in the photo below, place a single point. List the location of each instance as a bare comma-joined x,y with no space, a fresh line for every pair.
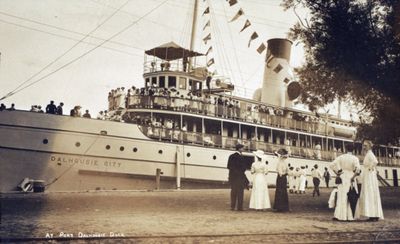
237,178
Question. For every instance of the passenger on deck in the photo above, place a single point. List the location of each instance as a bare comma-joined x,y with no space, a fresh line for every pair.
40,110
87,114
75,112
51,108
60,109
12,108
185,63
2,107
317,152
110,99
100,115
106,115
208,82
122,97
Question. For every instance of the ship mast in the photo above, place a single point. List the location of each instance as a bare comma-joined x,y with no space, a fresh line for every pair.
193,32
194,23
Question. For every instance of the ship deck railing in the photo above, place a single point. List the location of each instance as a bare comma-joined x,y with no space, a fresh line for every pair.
225,142
245,112
159,65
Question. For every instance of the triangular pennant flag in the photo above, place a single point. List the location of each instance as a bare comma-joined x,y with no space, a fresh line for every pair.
232,2
207,24
207,38
253,36
210,62
209,50
247,24
261,48
239,13
206,11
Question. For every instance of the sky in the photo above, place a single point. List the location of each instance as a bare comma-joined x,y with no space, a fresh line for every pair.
35,33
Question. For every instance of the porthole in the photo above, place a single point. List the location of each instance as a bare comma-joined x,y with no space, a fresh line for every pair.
187,154
134,149
122,149
77,144
45,141
108,147
160,151
214,157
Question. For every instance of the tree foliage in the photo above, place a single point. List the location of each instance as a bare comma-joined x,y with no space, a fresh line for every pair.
352,52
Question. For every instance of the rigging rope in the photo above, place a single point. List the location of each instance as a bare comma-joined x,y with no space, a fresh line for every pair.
87,52
67,51
61,29
234,50
185,30
70,38
72,165
220,51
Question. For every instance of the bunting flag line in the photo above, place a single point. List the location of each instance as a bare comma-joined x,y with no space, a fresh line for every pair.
253,36
247,24
239,13
207,24
261,48
206,11
210,62
232,2
207,38
209,50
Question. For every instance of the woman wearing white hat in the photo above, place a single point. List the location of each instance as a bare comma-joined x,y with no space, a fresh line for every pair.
259,199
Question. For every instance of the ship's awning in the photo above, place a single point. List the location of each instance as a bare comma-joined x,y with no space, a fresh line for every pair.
171,51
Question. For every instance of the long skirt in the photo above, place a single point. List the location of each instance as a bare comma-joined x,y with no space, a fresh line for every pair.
281,203
259,193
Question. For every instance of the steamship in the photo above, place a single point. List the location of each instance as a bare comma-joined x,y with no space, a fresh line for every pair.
182,124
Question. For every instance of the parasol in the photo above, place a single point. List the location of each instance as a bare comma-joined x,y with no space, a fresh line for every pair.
353,196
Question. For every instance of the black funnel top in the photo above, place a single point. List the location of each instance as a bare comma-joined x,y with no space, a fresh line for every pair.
279,48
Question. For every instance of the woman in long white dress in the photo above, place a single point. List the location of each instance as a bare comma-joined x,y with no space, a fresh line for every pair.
259,199
346,166
302,180
369,205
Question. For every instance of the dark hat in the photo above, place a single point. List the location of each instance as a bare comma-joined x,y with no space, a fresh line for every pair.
239,145
282,153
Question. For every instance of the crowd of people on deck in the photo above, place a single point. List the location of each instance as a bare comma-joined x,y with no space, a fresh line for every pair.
356,195
212,104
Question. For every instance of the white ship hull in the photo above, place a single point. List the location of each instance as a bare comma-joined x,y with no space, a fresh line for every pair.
70,154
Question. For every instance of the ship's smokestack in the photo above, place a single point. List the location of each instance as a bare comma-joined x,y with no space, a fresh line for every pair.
277,75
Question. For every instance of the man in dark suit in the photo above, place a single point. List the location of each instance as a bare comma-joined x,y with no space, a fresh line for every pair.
237,178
